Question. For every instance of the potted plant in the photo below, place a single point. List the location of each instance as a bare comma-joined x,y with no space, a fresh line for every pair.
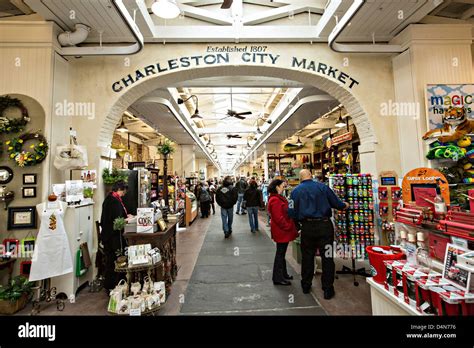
119,226
111,177
15,295
165,149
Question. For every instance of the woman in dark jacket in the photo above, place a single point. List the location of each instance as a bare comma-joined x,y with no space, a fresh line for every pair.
283,230
113,241
253,200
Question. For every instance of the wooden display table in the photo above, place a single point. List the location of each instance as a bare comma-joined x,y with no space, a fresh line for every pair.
166,242
385,303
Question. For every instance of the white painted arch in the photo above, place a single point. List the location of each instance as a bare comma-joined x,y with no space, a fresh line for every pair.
341,93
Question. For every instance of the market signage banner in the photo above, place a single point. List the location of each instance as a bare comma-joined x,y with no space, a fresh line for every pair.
233,55
440,98
342,138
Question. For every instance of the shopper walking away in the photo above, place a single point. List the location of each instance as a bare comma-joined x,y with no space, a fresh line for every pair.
310,205
283,230
212,192
241,186
205,201
113,241
226,197
197,193
253,200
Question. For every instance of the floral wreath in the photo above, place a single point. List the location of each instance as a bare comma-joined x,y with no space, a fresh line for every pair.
16,125
30,158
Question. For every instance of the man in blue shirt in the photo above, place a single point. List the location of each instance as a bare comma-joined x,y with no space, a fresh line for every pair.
310,205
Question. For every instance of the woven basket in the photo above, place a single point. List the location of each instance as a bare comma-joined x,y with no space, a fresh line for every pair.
9,307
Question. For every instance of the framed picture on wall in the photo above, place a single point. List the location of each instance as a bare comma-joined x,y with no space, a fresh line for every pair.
28,192
21,217
30,179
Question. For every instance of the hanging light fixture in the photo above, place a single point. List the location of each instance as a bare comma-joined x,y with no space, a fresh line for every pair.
248,145
340,122
299,143
167,9
259,131
122,128
196,100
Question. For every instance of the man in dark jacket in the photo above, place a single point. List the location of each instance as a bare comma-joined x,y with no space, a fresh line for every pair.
226,197
241,186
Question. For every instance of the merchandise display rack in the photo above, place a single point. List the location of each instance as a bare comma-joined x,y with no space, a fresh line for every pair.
355,228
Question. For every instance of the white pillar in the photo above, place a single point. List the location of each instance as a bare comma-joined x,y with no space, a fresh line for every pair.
188,160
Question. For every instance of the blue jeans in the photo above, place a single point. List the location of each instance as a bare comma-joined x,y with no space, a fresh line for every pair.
227,216
253,218
239,202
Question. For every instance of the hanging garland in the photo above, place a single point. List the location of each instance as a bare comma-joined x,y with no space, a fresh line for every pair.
17,124
36,154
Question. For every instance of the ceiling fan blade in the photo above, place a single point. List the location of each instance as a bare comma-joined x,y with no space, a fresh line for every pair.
227,4
243,113
239,117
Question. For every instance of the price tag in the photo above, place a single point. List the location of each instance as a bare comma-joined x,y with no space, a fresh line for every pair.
135,312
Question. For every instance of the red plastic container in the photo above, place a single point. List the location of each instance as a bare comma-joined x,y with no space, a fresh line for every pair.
376,259
449,300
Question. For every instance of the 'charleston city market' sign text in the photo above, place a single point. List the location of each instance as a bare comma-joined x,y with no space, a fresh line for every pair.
222,58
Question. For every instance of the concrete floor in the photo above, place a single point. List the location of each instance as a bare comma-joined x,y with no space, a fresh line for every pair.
233,277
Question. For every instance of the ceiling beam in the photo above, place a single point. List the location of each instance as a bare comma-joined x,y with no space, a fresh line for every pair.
149,30
203,33
468,13
206,15
278,13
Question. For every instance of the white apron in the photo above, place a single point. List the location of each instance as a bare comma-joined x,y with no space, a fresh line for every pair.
52,255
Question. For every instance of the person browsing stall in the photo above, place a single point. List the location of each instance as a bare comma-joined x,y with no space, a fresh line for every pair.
310,205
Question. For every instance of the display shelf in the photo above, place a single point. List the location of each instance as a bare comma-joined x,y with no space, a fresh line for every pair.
138,268
385,303
146,312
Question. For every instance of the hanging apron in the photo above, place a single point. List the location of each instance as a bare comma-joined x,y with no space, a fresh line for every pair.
52,254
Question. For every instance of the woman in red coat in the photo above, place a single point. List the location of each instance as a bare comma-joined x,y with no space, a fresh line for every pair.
283,230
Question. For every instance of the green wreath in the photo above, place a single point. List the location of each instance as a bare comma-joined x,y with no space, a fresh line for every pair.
16,125
34,156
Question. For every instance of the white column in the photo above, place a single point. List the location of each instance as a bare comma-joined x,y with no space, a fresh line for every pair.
188,159
265,163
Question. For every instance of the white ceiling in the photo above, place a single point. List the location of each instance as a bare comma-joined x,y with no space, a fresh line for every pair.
252,21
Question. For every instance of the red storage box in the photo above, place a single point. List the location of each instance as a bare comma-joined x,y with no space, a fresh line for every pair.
394,283
410,274
438,244
451,301
424,301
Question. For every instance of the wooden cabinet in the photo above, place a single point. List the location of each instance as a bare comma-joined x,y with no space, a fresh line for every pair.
78,222
191,208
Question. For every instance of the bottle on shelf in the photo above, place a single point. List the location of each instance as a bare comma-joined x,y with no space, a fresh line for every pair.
439,203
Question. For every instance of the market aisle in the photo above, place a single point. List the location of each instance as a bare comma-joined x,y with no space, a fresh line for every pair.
233,277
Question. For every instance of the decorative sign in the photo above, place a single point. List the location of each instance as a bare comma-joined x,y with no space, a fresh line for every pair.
451,272
441,97
233,55
74,190
424,177
145,217
342,138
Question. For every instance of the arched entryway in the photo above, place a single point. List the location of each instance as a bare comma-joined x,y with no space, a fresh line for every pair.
343,95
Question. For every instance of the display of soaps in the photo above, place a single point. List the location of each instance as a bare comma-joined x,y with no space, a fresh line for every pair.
355,226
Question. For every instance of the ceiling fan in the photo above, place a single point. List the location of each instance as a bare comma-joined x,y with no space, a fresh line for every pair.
226,4
232,113
236,136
